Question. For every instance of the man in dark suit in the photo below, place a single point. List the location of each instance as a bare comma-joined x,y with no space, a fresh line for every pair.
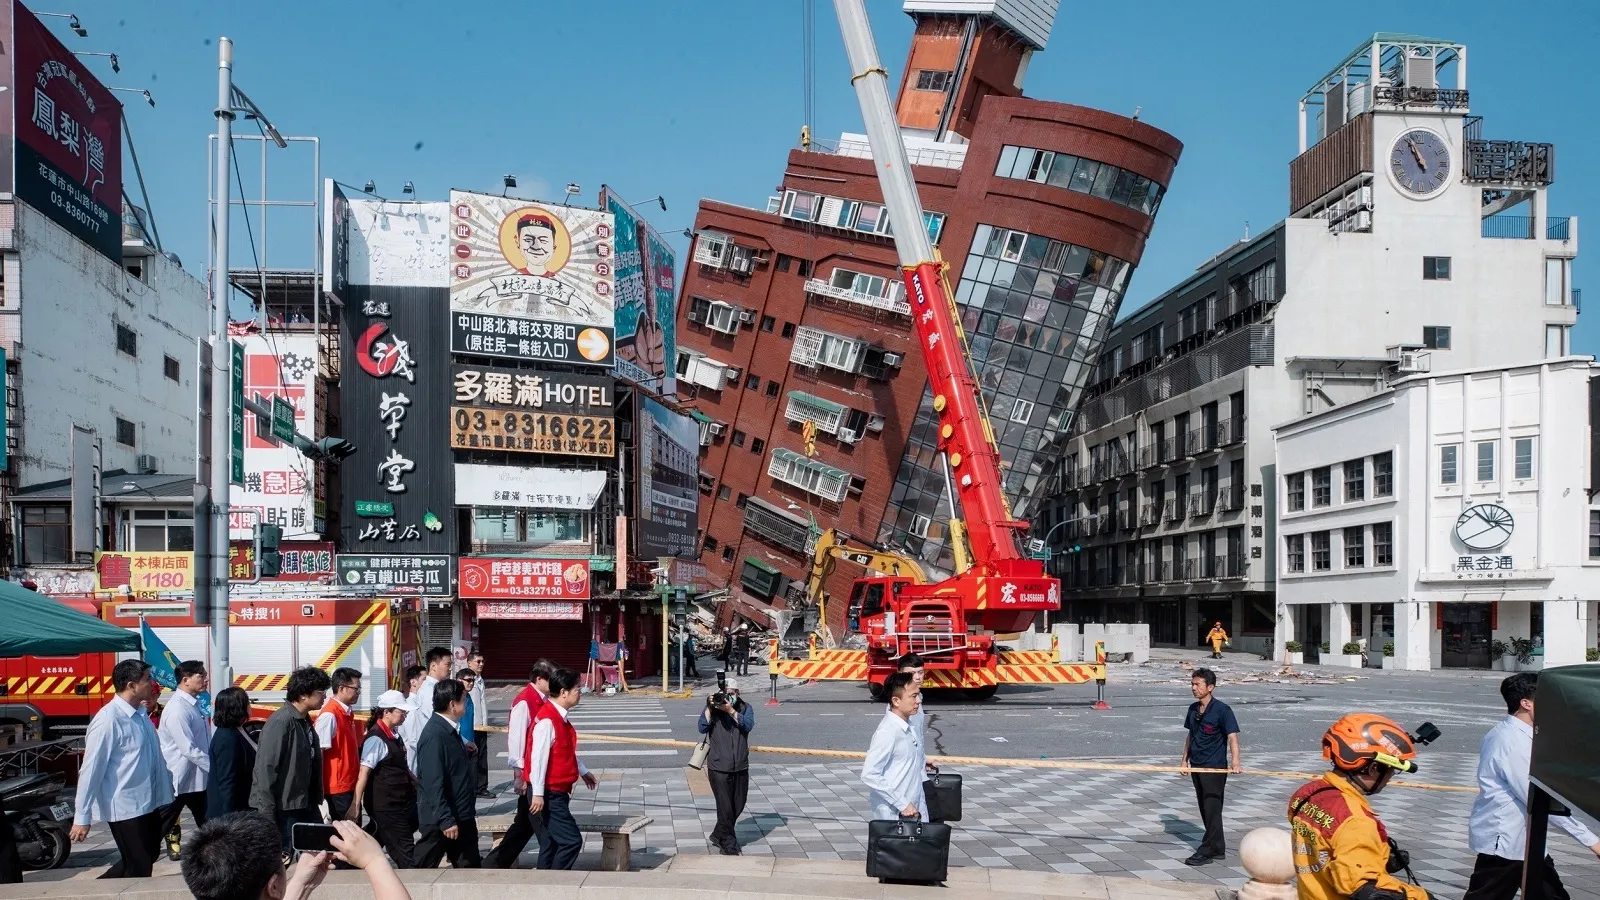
446,785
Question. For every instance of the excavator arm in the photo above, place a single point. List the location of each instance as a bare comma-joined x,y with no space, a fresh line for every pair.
834,545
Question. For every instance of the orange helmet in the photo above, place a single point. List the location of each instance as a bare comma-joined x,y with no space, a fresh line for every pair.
1361,738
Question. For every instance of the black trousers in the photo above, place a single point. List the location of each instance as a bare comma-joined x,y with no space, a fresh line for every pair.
1498,878
462,850
523,827
194,800
1208,790
396,830
138,839
730,790
481,758
339,805
561,841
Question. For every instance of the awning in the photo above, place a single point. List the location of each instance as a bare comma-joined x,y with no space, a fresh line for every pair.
790,456
752,561
818,402
701,417
36,625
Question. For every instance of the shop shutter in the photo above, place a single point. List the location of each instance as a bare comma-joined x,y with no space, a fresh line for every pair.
511,647
438,626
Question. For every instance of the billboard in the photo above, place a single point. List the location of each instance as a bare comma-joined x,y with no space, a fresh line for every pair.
669,472
645,296
486,578
524,411
145,574
411,575
67,141
528,487
280,484
658,352
335,240
532,610
531,281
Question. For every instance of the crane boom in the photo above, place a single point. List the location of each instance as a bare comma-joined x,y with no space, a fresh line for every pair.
965,437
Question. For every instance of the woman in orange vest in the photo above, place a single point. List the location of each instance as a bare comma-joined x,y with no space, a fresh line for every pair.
340,738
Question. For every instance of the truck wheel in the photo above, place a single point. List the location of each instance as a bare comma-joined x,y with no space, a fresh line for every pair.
983,693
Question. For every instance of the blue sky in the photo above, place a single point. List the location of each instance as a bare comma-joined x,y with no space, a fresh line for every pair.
703,98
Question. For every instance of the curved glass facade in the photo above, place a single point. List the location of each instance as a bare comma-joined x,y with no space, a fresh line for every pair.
1081,174
1036,311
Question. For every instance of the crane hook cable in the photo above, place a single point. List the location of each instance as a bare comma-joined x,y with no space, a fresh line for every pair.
874,70
1024,763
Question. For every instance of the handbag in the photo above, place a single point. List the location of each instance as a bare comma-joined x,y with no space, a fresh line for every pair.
908,849
943,794
697,757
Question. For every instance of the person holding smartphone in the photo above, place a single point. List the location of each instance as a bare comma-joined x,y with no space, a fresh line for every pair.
728,721
235,857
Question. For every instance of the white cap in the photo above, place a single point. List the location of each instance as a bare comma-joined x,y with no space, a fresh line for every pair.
730,685
392,700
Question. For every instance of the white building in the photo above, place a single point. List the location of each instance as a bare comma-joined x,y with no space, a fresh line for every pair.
94,344
1411,243
1444,514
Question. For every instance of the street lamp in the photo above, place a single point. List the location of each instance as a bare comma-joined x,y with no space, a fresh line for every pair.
72,22
116,66
148,98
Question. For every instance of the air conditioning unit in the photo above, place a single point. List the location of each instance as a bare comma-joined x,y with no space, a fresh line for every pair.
740,265
732,373
1412,361
1363,220
847,436
695,314
147,464
747,316
892,360
875,424
716,428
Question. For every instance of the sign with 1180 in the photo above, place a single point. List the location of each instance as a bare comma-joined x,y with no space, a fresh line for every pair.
531,432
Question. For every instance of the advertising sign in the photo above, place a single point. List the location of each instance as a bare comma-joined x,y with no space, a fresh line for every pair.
335,240
528,487
298,561
68,146
394,244
669,452
484,578
645,292
549,610
530,280
560,392
658,355
280,484
425,575
144,573
493,429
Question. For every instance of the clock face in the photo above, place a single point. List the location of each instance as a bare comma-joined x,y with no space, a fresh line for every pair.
1420,162
1484,527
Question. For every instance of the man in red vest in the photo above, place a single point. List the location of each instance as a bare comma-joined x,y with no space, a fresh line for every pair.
340,737
519,746
553,762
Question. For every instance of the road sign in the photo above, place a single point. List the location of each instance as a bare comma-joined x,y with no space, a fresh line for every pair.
236,410
283,420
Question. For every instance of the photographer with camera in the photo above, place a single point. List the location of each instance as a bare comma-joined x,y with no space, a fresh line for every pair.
727,722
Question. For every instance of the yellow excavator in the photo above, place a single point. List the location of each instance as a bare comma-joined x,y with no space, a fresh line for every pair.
833,545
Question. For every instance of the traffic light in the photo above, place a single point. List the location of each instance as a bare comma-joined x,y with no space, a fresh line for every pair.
269,561
680,606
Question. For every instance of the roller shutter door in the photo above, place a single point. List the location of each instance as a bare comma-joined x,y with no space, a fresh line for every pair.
511,647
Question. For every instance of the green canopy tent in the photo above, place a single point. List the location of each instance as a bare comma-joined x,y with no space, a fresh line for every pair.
1565,764
35,625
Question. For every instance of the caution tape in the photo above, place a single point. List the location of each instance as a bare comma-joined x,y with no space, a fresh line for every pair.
1019,763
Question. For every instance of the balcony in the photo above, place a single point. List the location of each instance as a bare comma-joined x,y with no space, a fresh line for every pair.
1187,569
1127,520
1176,510
1233,567
1150,514
1229,432
1231,499
1557,228
1202,503
895,302
771,524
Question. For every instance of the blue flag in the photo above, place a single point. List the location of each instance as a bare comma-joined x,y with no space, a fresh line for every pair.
163,665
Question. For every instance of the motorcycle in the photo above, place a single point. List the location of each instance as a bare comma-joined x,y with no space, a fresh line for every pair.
40,818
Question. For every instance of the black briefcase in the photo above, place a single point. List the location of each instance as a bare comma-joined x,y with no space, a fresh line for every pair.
943,793
908,850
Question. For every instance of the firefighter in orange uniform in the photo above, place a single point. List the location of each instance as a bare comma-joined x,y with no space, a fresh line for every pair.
1218,638
1341,849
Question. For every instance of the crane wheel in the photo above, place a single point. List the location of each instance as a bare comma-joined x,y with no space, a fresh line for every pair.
983,693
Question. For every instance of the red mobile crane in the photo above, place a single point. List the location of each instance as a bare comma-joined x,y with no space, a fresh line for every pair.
996,588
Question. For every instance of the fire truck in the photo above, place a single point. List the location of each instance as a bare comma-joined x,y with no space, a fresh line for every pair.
271,636
996,588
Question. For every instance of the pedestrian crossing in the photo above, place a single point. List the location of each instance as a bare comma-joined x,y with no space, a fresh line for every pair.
622,716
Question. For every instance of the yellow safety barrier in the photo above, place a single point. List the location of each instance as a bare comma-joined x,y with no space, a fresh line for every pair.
1080,764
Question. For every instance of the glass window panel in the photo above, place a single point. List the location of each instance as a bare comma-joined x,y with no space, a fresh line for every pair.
1139,195
1008,159
987,323
1095,265
993,239
1023,162
1056,315
1084,175
1054,256
1036,309
1016,303
1061,170
1033,250
964,291
996,299
495,525
1124,187
1045,285
1077,258
1007,330
1024,279
1041,165
1003,274
180,537
150,538
986,271
1105,181
1524,458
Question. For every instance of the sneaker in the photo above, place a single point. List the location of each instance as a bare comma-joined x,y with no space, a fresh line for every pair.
487,795
729,849
1199,858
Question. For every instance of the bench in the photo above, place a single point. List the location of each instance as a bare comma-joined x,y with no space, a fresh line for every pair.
615,830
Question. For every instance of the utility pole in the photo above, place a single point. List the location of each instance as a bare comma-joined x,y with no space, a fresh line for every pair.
221,360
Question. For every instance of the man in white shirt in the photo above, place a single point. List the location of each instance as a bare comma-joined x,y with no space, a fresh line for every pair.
896,764
553,769
123,780
186,743
438,669
519,742
1497,830
480,722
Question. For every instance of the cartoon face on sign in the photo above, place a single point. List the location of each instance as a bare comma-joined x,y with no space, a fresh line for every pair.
535,242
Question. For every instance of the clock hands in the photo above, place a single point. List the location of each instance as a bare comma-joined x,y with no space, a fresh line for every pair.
1421,163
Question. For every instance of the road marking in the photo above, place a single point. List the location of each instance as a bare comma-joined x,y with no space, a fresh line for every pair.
629,752
830,714
1115,717
782,714
638,731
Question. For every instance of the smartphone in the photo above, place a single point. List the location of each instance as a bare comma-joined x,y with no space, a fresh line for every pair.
309,837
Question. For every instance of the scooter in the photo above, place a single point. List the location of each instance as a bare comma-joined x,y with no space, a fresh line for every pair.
39,817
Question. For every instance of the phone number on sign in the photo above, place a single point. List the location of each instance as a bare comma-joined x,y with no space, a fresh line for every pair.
490,429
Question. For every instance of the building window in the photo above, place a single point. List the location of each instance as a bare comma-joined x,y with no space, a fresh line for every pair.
1436,337
710,544
707,482
929,80
1383,544
1448,454
1322,486
1383,474
787,331
757,445
1486,460
743,498
1556,342
1355,547
723,493
727,553
127,434
1022,411
752,382
804,268
158,530
1296,491
783,262
813,347
738,438
169,367
127,340
1295,552
1321,551
1523,458
1436,268
1355,480
809,475
772,389
1594,534
767,322
47,538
